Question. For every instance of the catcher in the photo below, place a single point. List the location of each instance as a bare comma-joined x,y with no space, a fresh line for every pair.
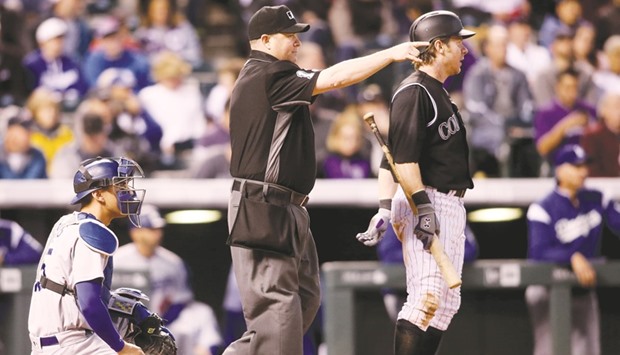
68,313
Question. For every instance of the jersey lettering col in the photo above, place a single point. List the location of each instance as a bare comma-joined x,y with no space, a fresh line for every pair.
426,128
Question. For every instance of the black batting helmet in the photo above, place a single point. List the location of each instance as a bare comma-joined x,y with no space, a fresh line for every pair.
437,24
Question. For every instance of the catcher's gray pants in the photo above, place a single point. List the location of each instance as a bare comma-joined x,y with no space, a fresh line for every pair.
280,294
585,328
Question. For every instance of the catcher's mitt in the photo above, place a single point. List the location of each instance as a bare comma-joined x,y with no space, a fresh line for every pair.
152,337
138,325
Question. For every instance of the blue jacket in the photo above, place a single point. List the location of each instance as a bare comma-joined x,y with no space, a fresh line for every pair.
96,62
17,245
34,169
62,75
557,229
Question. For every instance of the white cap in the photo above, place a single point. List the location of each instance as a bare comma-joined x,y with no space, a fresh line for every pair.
51,28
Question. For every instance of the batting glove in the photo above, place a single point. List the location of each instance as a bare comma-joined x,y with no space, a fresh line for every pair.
427,225
376,228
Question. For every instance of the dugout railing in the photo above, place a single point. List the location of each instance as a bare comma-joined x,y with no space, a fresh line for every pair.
213,193
342,280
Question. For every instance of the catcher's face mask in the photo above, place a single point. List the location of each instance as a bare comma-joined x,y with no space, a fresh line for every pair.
129,198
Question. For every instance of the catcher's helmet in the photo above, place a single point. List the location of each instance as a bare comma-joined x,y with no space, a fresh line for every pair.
437,24
97,173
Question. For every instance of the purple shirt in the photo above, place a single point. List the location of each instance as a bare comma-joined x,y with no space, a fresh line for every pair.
547,117
338,167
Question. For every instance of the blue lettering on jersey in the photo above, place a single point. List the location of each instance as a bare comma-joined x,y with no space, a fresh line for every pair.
98,237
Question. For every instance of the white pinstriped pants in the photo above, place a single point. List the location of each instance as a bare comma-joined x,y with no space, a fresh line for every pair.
430,302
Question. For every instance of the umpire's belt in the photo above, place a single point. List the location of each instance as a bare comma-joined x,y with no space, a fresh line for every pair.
271,192
457,193
63,338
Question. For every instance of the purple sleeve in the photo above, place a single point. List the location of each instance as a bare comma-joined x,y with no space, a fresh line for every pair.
471,245
541,244
88,295
28,251
541,125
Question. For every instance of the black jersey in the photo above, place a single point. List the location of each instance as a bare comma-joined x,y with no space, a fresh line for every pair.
271,130
426,128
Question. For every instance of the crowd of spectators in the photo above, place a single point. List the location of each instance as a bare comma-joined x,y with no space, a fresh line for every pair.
141,79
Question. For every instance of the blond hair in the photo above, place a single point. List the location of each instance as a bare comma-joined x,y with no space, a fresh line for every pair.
348,117
612,44
169,65
42,97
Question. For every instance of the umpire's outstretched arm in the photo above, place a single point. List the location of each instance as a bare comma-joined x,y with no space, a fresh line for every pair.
353,71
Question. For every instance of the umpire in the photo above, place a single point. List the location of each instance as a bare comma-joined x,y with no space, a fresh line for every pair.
274,167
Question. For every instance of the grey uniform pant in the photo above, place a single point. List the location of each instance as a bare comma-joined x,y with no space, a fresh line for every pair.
585,327
280,294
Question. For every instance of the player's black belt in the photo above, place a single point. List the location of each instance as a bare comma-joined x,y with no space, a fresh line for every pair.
457,193
273,192
54,286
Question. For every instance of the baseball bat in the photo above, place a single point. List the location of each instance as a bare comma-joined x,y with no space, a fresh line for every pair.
445,265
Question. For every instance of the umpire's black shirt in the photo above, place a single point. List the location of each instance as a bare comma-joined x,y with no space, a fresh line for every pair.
426,128
271,131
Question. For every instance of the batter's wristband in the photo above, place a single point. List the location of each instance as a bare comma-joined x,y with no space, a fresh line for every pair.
386,203
420,198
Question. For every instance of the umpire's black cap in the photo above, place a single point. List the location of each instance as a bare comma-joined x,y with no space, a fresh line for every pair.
274,19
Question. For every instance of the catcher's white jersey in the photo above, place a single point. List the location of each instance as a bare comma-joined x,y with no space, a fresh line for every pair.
426,288
69,258
167,272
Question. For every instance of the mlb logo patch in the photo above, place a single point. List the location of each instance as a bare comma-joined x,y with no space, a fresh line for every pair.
290,15
305,75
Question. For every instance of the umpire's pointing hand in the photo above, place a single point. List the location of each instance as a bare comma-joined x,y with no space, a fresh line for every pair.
408,51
